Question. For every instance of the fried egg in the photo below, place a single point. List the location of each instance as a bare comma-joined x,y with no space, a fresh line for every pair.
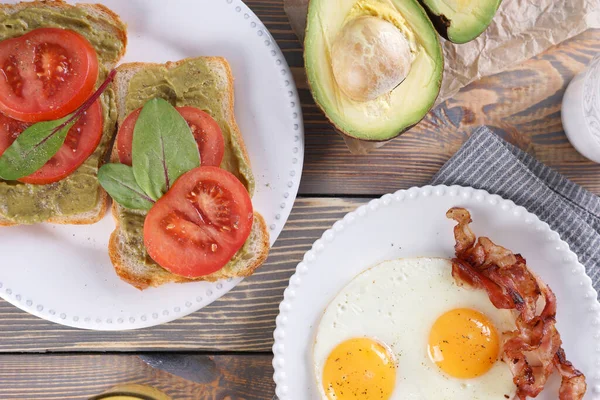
405,330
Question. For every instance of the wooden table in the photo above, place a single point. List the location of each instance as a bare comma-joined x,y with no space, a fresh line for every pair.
227,345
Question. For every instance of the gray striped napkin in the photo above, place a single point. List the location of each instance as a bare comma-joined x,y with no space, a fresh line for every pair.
487,162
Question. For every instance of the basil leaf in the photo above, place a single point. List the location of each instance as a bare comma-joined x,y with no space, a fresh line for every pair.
37,144
119,182
33,148
163,149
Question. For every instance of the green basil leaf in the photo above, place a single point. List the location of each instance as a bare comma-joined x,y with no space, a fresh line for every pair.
119,182
163,149
37,144
33,148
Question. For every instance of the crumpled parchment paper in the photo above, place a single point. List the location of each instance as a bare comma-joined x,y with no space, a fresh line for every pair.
521,29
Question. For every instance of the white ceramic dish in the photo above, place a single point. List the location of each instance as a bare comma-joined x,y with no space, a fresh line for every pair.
413,223
63,273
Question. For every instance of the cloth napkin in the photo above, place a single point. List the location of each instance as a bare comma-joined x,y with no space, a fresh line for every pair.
488,162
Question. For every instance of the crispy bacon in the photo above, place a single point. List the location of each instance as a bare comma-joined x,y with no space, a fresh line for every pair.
573,384
532,351
465,238
465,274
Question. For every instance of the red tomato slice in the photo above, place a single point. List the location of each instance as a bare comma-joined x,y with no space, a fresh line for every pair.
200,223
10,129
206,131
46,74
81,142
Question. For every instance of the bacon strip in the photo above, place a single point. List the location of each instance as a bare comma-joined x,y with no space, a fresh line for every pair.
573,384
481,264
464,273
465,238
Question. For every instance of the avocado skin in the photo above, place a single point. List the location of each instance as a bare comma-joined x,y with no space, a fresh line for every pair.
323,108
346,134
443,23
341,131
440,22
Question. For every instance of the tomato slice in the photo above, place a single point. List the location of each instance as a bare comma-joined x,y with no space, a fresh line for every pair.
81,142
206,131
10,129
46,74
200,223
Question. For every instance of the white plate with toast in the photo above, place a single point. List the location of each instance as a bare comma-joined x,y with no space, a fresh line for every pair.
63,273
412,223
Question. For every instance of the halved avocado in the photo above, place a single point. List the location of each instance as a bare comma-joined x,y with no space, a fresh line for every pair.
374,66
461,21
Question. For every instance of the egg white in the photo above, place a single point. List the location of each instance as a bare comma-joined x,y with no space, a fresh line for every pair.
396,303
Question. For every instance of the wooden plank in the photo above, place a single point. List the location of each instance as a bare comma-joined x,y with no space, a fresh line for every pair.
524,106
243,320
521,104
59,377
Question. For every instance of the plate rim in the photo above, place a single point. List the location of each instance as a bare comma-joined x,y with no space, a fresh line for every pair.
311,256
220,288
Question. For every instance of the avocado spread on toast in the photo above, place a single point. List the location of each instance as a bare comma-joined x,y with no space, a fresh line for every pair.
24,203
76,19
191,83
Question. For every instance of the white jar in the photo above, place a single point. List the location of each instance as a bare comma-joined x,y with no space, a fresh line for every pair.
581,111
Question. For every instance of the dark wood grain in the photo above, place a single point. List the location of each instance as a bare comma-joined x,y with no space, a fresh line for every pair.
522,105
59,377
242,320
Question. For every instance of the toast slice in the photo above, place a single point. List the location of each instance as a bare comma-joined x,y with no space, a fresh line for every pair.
108,35
126,247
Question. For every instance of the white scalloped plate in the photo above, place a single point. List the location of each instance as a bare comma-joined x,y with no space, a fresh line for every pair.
63,273
413,223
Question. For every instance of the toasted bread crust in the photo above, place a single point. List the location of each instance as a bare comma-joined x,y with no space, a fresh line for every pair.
143,282
230,115
118,28
230,111
120,33
142,278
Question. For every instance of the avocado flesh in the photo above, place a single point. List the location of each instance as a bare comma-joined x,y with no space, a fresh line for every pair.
390,114
461,21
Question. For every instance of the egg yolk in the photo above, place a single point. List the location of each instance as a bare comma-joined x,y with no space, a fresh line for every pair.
464,343
359,368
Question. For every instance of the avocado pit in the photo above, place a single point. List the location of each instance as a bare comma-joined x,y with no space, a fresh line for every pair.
369,58
373,66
